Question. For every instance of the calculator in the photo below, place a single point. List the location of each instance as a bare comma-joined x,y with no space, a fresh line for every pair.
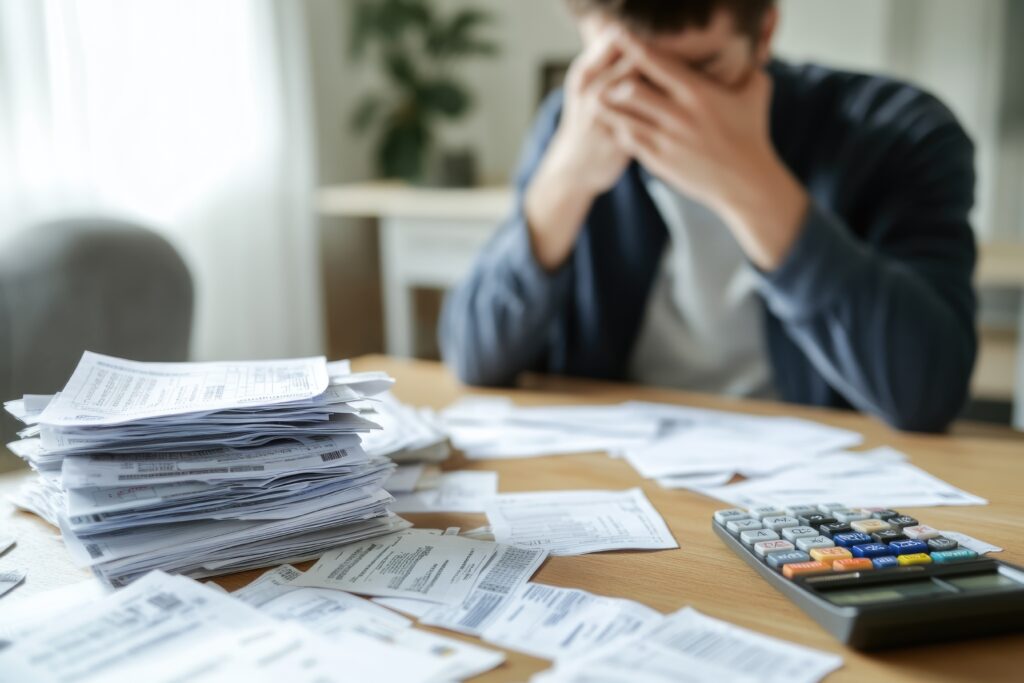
876,578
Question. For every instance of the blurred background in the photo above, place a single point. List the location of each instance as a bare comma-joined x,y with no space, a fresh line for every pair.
324,168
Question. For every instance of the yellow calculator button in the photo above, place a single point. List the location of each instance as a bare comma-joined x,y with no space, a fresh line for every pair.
914,558
830,555
854,564
795,569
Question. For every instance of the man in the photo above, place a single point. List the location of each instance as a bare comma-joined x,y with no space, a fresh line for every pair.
695,214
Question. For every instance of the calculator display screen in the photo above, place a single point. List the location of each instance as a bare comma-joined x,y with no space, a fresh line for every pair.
870,595
983,582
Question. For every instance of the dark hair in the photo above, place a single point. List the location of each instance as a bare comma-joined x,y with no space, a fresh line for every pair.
663,16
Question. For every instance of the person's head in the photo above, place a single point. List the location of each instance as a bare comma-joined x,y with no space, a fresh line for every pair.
724,39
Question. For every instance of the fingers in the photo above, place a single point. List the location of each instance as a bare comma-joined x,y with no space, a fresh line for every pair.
681,83
596,59
634,96
636,136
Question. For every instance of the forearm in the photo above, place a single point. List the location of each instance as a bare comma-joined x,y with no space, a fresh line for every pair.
876,328
555,206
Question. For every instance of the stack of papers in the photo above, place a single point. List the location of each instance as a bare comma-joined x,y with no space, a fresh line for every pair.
205,468
689,646
170,628
417,489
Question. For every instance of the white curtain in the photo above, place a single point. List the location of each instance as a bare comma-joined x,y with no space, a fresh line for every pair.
190,116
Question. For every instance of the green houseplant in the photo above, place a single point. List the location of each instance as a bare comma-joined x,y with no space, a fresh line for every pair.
418,49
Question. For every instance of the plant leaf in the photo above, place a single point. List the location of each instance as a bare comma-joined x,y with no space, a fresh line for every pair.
445,97
403,149
401,69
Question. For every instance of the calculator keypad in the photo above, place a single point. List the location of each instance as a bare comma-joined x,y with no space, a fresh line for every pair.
802,540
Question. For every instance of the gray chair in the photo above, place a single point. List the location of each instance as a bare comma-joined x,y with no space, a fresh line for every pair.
98,284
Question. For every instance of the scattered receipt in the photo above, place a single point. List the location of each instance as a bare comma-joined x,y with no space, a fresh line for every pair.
688,647
418,564
578,522
465,491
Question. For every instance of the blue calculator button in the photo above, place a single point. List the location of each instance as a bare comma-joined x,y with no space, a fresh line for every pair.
885,562
851,539
871,550
908,547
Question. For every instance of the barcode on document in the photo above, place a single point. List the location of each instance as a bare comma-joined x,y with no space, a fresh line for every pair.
481,610
165,601
503,576
333,455
94,550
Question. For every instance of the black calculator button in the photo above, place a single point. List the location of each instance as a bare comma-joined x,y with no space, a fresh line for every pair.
816,520
884,514
834,528
900,521
888,536
941,544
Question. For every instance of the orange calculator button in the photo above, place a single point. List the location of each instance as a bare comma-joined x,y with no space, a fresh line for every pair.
854,564
830,555
791,571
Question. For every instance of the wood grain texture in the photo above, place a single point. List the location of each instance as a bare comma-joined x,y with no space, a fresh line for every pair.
702,572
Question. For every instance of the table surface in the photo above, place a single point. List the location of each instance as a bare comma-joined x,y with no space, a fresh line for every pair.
702,573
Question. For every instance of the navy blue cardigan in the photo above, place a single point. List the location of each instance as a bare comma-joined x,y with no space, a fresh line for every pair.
873,308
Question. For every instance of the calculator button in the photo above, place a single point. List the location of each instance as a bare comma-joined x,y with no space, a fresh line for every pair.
959,555
888,536
853,564
779,523
869,526
764,547
763,511
849,515
900,521
801,510
884,562
827,508
752,536
884,514
851,539
780,559
921,532
791,571
914,558
908,547
834,528
794,532
830,555
941,544
738,525
723,516
817,520
812,542
871,550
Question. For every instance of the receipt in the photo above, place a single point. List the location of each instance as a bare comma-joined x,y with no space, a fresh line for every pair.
416,564
688,647
556,623
578,522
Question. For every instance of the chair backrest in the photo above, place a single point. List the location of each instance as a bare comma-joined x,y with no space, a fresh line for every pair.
92,283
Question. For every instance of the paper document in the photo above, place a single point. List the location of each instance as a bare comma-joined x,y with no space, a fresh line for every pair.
107,390
6,543
417,564
578,522
465,491
561,623
688,647
405,478
693,481
877,478
18,619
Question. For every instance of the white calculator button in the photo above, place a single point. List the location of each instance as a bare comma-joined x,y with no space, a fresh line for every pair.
921,532
737,526
826,508
849,515
753,536
811,542
763,511
723,516
794,532
779,523
764,547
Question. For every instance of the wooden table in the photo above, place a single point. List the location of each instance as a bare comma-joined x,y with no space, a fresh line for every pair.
702,572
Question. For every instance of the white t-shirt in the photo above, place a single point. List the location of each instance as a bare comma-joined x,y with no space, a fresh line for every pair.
703,326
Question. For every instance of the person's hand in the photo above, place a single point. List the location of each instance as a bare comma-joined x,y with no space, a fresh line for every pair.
710,143
583,158
584,146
